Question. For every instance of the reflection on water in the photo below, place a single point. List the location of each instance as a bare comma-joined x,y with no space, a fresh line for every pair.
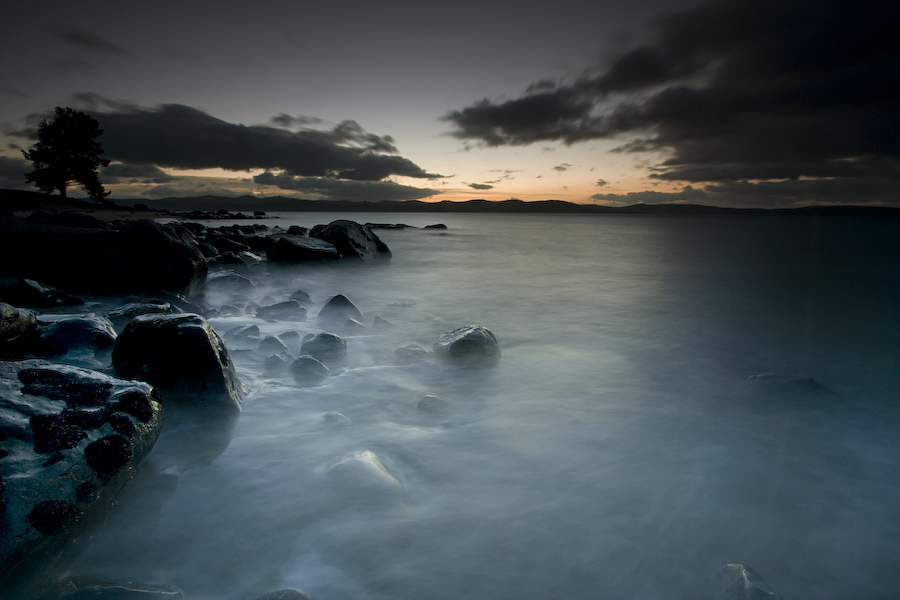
614,452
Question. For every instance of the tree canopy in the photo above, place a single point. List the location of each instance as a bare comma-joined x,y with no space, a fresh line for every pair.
67,152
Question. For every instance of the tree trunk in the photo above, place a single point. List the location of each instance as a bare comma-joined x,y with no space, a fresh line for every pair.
62,191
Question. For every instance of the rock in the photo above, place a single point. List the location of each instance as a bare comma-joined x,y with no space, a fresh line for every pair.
470,345
352,325
301,297
28,293
225,244
208,250
152,256
275,363
71,438
229,280
289,309
352,240
436,226
96,588
182,356
383,324
433,404
296,249
412,353
75,334
326,347
297,230
338,309
737,582
16,327
243,333
272,344
67,219
308,370
123,315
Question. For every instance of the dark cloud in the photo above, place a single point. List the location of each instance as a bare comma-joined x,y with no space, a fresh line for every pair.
562,168
125,173
182,137
286,120
87,40
731,90
338,189
601,182
480,186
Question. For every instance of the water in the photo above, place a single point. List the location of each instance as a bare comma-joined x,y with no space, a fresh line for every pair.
614,452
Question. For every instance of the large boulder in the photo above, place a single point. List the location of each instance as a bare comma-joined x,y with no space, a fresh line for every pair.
141,256
183,357
70,438
470,345
28,293
62,334
352,240
297,249
326,347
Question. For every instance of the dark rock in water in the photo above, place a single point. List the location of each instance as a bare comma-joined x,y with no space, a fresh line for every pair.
737,582
436,226
225,259
289,309
95,588
470,345
272,344
301,297
208,250
297,230
353,325
296,249
412,353
153,256
16,326
123,315
225,244
182,356
284,594
352,240
338,309
75,333
327,347
64,458
785,385
308,370
244,333
289,337
28,293
230,280
393,226
278,362
67,219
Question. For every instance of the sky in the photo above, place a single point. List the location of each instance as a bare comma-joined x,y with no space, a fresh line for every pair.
744,103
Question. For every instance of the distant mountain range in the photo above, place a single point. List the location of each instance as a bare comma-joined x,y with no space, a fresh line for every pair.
280,203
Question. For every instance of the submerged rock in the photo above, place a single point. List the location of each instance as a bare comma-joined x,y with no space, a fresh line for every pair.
737,582
308,370
471,345
70,440
789,386
289,309
352,240
182,356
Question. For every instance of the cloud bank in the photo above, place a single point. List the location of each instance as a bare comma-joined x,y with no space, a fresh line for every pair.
732,91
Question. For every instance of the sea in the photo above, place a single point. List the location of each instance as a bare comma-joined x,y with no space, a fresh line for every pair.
674,394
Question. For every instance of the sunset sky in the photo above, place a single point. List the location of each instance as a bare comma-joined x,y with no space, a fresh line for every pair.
727,102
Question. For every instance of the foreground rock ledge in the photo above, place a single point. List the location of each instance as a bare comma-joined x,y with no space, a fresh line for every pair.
70,439
182,357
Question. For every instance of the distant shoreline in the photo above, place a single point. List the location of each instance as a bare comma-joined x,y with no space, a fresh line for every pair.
20,201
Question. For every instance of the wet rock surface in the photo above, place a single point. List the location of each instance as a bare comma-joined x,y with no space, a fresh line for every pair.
182,356
352,240
470,345
70,439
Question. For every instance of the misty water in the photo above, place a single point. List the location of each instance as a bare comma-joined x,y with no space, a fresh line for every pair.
615,451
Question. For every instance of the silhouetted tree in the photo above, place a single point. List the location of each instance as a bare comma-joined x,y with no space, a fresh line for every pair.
66,152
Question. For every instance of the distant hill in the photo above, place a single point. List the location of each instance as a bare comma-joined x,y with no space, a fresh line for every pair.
23,200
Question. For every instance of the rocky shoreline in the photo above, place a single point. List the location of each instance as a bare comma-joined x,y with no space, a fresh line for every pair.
84,392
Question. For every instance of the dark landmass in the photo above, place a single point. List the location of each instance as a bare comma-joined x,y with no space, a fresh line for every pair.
14,200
